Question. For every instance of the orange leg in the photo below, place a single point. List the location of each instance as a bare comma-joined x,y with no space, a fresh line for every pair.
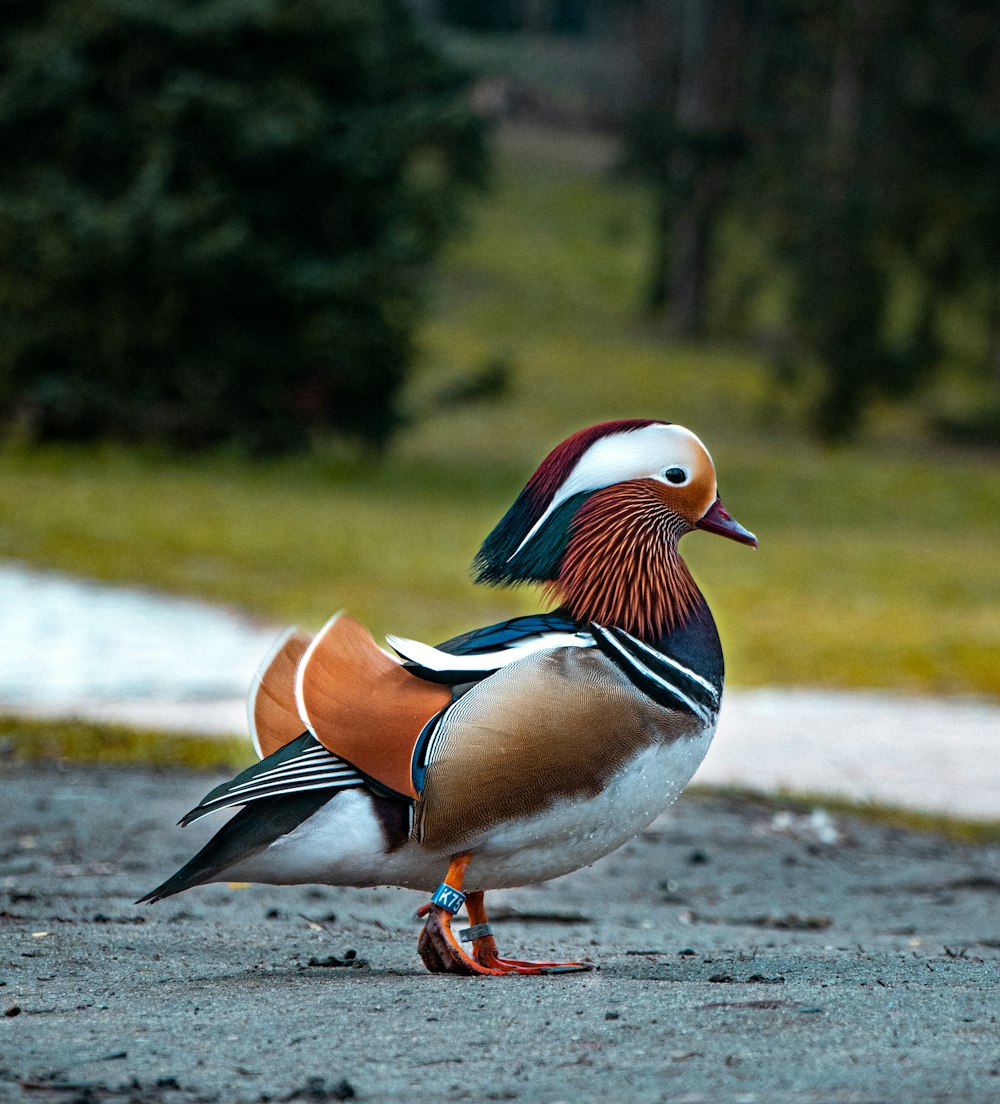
442,953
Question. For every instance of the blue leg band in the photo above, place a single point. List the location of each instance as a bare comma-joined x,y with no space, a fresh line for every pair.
448,898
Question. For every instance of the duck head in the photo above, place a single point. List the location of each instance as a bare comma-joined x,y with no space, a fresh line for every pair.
599,521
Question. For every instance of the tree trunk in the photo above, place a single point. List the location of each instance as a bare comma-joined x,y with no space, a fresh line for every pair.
699,61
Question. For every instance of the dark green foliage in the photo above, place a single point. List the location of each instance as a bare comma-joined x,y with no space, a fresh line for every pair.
686,137
490,382
482,15
216,215
557,16
979,428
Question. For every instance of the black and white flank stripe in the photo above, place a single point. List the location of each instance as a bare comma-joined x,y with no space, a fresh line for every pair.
302,765
668,682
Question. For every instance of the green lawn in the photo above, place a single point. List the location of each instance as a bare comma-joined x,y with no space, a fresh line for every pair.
879,563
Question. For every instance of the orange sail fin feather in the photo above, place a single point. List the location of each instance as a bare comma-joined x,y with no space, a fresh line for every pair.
271,710
363,705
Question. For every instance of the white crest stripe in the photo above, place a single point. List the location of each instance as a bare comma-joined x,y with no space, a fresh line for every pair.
618,456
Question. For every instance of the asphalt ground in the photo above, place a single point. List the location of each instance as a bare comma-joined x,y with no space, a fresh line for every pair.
746,954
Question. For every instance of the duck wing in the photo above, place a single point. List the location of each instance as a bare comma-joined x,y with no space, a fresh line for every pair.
365,706
476,655
248,833
378,713
556,725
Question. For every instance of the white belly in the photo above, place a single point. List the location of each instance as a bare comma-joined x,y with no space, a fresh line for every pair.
575,833
342,842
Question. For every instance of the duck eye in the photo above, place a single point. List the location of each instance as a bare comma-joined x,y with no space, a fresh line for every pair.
675,475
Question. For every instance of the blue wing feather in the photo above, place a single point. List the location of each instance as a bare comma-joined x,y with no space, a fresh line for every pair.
504,634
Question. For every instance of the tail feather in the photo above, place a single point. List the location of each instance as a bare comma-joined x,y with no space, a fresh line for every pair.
247,834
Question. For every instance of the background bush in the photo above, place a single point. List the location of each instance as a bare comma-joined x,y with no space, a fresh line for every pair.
215,215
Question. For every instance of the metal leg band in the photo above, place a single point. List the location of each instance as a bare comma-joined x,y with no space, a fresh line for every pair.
448,898
477,931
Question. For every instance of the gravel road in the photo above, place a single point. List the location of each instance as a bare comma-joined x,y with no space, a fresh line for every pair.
745,955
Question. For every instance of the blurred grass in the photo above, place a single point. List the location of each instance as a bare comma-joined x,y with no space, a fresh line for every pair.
892,816
24,740
879,563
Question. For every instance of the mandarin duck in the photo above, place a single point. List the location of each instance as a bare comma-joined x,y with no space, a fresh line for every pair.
510,754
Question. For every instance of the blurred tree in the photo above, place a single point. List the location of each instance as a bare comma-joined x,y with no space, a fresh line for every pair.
685,137
861,140
827,191
880,182
216,215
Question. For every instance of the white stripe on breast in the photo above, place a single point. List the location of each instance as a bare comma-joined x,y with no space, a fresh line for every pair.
671,688
663,658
